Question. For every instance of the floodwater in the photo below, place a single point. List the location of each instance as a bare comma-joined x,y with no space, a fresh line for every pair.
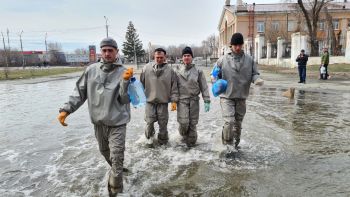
294,147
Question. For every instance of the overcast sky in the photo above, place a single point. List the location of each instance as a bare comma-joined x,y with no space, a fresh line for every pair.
79,23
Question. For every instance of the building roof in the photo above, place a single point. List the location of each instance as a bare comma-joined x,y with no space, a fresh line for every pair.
281,7
32,52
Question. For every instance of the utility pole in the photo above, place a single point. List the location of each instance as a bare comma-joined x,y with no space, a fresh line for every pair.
45,47
20,39
149,51
7,64
106,25
8,44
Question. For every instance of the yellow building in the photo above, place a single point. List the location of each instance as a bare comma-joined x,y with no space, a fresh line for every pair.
280,20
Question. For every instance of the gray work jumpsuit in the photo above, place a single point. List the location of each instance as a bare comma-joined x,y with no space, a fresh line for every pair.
160,85
105,90
239,70
191,82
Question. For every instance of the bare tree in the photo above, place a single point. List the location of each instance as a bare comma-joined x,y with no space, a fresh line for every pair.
81,51
311,11
55,52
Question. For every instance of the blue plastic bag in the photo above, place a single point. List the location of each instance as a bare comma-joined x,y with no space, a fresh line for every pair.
215,72
219,87
136,93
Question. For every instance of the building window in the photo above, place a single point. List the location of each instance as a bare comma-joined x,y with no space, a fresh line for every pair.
275,26
291,25
260,26
335,24
321,25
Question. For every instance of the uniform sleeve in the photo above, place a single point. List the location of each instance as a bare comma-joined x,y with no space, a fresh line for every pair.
174,88
142,76
203,86
219,61
79,95
255,72
123,92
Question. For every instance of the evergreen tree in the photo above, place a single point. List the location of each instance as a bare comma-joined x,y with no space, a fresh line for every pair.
132,43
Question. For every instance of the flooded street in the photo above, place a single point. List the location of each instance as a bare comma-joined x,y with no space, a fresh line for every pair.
294,147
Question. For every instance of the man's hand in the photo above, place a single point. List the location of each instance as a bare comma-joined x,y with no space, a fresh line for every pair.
128,73
259,82
62,117
206,106
173,106
212,79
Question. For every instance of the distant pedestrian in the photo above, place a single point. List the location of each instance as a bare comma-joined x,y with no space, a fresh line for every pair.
302,61
324,64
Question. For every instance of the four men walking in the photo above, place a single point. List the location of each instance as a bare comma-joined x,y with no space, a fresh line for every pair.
104,85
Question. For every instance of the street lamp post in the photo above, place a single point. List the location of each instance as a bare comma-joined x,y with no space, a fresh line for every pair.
20,39
149,51
106,25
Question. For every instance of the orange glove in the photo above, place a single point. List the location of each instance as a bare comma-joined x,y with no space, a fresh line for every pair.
62,117
128,73
173,106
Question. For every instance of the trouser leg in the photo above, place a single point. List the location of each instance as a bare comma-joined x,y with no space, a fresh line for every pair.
194,116
111,141
150,118
163,116
300,73
304,73
239,115
116,140
103,144
183,109
228,111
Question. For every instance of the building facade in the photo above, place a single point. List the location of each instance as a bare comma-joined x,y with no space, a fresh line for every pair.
270,22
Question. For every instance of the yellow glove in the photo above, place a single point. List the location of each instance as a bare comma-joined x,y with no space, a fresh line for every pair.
173,106
62,117
128,73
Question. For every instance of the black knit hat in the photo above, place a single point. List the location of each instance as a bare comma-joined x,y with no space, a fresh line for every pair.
187,50
237,39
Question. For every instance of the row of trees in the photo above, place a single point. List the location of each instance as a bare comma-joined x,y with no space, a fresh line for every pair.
133,47
14,57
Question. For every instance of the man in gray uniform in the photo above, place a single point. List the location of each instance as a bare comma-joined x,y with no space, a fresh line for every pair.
239,70
191,82
160,83
104,85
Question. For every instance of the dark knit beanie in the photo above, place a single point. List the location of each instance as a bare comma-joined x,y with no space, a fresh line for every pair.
109,42
237,39
187,50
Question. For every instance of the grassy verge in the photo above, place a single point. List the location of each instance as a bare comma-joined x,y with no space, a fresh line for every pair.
33,73
337,71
